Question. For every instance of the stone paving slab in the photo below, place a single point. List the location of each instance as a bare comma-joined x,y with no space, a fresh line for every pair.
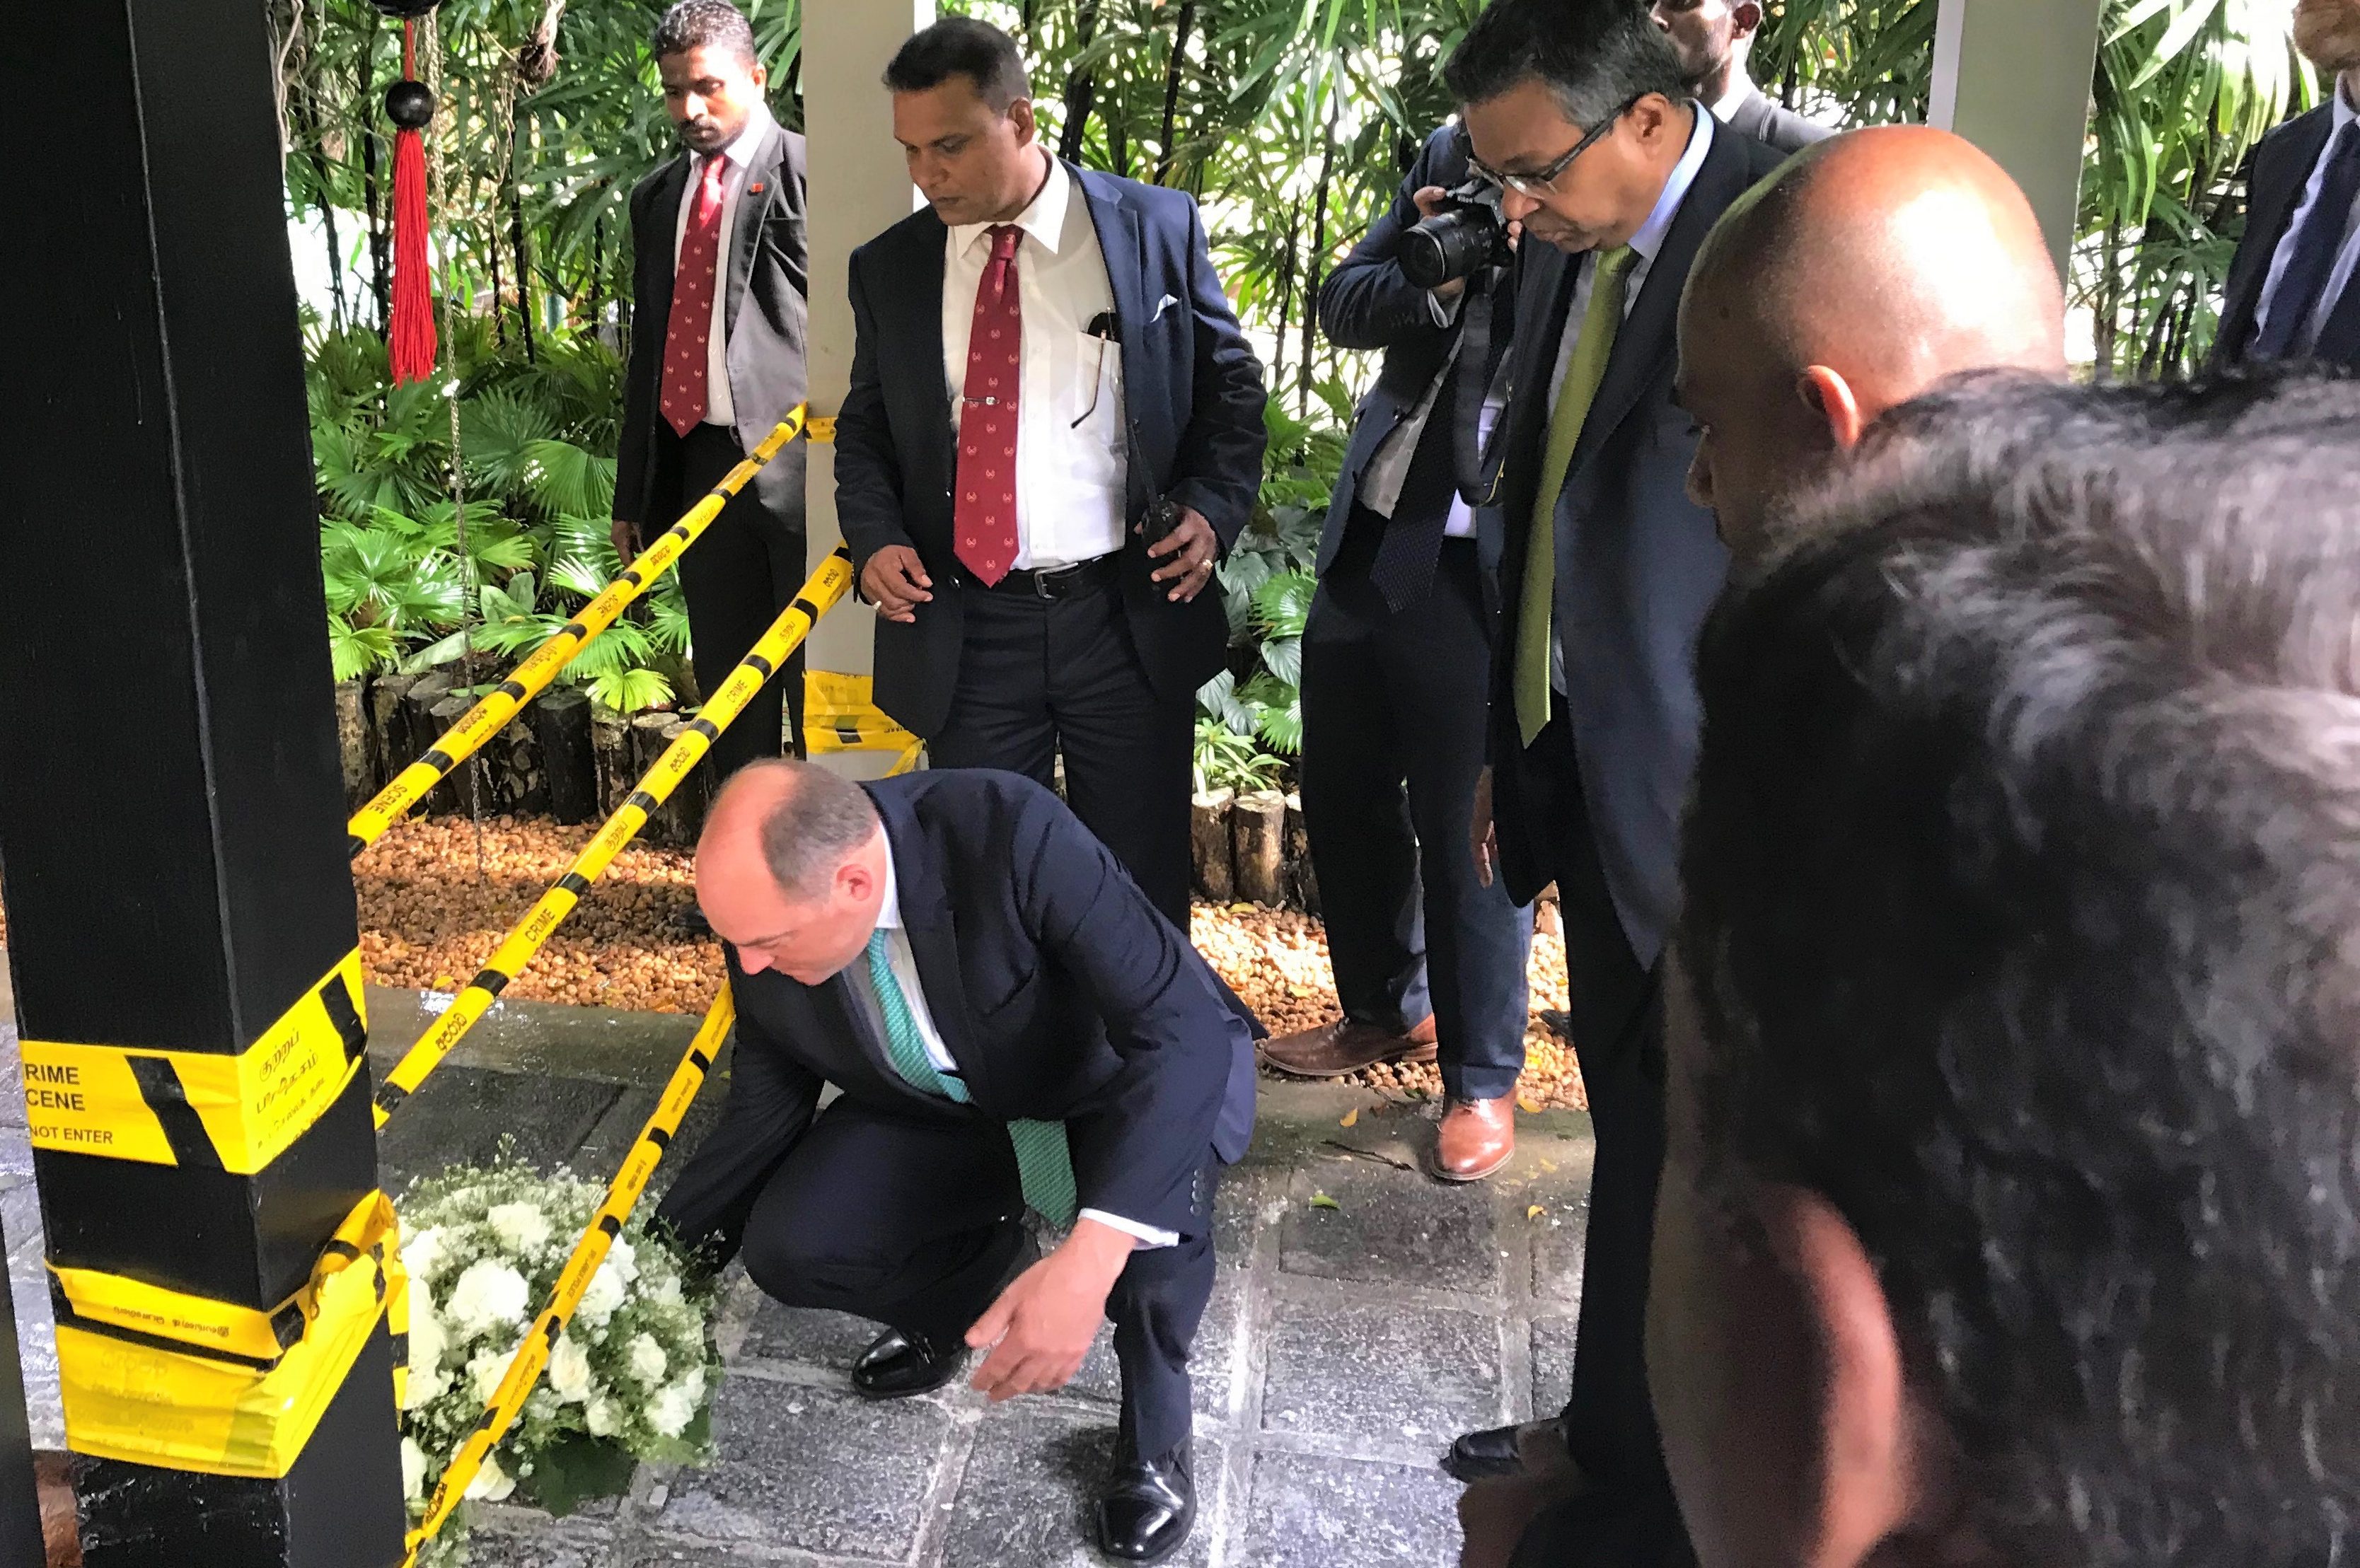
1343,1347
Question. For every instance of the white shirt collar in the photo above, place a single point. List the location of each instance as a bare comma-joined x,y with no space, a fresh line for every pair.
749,140
889,913
1649,240
2342,114
1045,220
1740,88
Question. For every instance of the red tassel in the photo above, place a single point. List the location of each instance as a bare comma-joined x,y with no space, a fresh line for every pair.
410,339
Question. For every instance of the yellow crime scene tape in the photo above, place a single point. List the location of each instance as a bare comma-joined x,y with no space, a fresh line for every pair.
202,1110
246,1406
531,1358
530,679
839,717
820,594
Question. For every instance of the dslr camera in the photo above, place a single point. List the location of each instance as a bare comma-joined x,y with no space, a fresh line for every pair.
1469,235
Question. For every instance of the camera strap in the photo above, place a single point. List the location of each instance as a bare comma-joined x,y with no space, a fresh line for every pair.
1487,327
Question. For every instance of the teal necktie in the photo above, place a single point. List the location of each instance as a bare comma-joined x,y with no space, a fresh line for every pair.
1044,1163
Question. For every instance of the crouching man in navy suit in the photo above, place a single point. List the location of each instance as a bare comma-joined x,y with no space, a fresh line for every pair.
1012,1024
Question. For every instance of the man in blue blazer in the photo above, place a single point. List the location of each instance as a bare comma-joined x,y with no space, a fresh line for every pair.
1012,1024
1578,108
1054,428
2290,294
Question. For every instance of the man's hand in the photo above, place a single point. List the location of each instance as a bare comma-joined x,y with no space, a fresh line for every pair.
1483,839
895,580
626,540
1043,1323
1192,544
1433,200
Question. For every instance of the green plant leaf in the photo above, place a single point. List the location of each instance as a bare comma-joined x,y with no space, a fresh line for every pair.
577,1468
632,690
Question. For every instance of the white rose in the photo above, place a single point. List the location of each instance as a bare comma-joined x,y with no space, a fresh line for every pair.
693,1381
569,1371
624,1260
413,1470
484,1370
425,1388
492,1484
671,1410
648,1361
665,1292
486,1294
604,1418
422,1254
523,1226
602,1298
427,1340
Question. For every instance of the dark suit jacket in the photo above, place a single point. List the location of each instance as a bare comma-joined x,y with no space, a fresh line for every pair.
1367,303
2275,177
769,284
1766,120
1192,389
1059,991
1638,565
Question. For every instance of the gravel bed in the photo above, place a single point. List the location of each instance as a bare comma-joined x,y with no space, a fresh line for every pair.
435,901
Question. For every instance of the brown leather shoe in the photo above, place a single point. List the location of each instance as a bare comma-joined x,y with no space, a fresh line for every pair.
1476,1139
1333,1050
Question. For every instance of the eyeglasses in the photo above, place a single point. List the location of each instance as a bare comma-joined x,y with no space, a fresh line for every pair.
1545,180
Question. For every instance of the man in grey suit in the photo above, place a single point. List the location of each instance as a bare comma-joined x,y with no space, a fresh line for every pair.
717,332
1712,38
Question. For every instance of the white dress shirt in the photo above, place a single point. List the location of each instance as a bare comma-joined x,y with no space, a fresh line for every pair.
904,965
1646,244
1071,467
2339,278
719,409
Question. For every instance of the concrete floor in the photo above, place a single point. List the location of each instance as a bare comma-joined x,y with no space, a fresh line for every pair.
1345,1345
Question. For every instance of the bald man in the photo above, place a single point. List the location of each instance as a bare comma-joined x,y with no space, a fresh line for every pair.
1012,1024
1866,270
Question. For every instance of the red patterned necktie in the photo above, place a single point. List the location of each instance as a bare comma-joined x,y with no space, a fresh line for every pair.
686,357
985,514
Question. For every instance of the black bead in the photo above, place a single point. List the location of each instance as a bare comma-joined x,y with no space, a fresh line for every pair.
408,104
406,7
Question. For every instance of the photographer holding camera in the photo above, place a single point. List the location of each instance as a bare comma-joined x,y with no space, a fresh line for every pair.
1395,669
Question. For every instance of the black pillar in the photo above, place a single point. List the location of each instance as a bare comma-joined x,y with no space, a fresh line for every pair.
171,820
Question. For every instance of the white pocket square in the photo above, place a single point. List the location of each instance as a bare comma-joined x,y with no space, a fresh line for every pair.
1163,305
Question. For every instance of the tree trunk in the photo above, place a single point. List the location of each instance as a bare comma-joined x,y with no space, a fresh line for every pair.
417,714
1258,847
1317,266
1302,880
517,231
465,790
1081,87
1208,827
1286,296
352,745
610,743
569,762
1171,89
379,270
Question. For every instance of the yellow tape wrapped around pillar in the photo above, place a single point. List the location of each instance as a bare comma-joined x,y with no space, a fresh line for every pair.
133,1397
201,1109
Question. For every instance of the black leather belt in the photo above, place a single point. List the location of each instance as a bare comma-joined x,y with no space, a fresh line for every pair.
1058,583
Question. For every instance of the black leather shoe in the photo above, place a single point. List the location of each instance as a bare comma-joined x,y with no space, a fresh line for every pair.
1494,1451
897,1365
1147,1508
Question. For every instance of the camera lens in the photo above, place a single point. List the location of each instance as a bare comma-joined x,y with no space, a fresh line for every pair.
1447,245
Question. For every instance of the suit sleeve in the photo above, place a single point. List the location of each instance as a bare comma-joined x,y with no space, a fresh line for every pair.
867,468
772,1099
1367,303
1218,468
639,381
1139,1142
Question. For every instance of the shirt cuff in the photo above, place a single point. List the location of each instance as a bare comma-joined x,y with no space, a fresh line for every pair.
1147,1235
1444,312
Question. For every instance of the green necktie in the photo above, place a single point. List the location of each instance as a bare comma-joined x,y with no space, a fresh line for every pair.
1573,399
1044,1164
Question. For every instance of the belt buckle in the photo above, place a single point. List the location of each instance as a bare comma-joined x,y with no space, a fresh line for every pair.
1041,586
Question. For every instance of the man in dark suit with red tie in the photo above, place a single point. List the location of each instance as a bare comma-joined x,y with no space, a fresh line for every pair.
1054,428
2291,294
717,333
